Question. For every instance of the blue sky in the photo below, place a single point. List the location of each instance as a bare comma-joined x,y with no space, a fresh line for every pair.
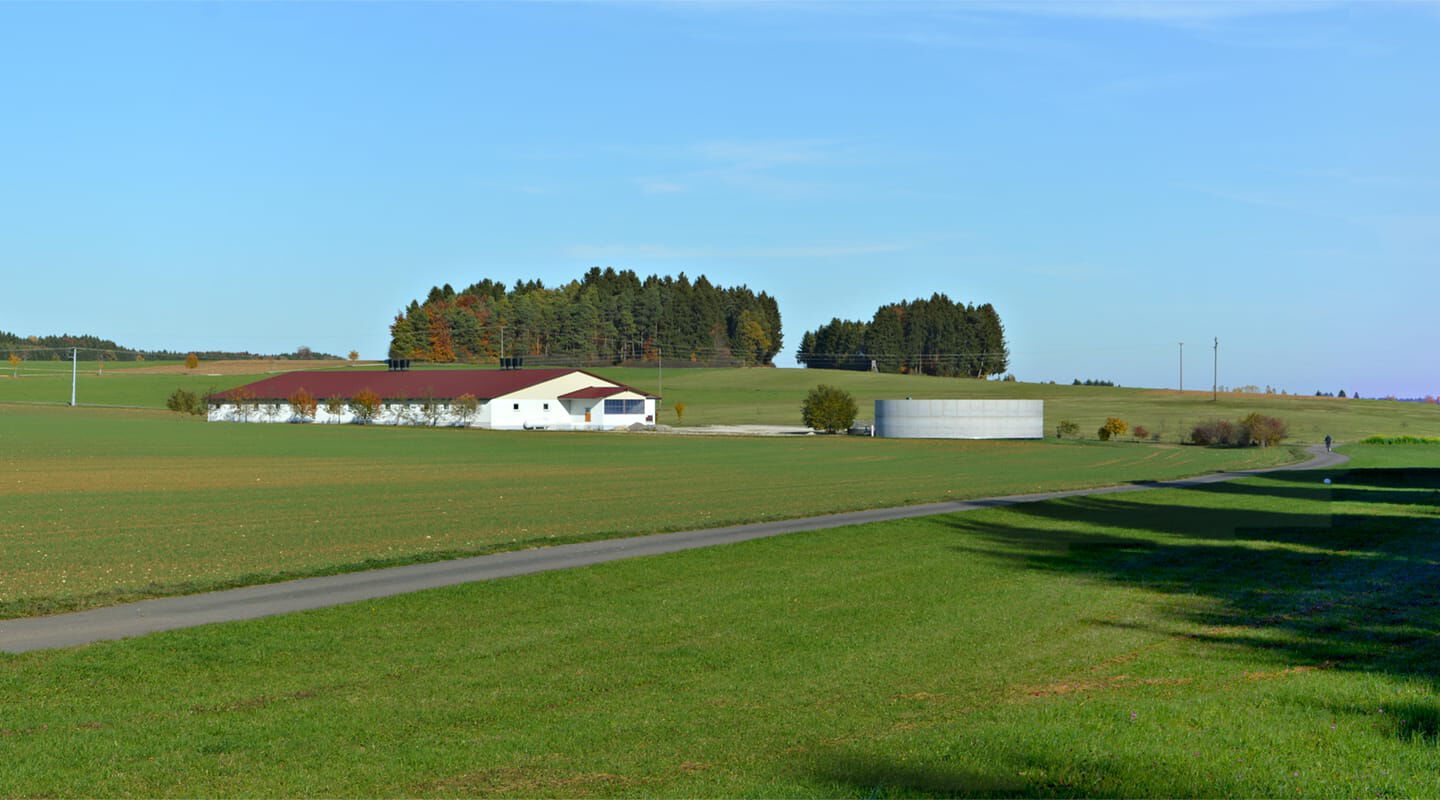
1114,177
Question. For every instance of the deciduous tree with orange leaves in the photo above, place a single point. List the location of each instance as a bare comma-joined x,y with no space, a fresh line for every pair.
366,406
303,404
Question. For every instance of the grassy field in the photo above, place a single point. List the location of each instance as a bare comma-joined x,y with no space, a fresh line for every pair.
1271,637
106,505
773,396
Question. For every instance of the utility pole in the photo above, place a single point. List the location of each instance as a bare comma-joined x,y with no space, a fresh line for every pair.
1182,366
1215,379
74,372
502,341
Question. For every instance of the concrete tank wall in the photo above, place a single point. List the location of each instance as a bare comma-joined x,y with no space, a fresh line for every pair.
960,419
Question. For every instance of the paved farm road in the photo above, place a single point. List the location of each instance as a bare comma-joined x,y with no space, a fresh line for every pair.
148,616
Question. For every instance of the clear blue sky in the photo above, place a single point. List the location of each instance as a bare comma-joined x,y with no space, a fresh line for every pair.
1114,177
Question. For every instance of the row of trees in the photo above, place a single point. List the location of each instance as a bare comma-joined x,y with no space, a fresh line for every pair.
937,336
365,407
605,317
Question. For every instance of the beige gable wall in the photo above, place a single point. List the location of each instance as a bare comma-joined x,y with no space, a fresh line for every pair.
555,387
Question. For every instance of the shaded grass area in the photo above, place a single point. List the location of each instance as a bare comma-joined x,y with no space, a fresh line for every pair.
773,396
1274,637
104,505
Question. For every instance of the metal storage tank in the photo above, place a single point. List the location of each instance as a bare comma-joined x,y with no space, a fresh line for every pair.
960,419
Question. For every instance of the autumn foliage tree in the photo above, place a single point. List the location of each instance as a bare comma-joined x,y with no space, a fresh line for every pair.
14,365
366,405
1113,427
354,356
244,400
1262,430
192,361
303,404
466,407
680,411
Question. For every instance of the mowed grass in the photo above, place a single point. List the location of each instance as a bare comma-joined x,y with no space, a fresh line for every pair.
1266,638
107,505
773,397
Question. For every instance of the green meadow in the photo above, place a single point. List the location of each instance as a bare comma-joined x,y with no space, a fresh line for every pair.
1269,637
773,397
107,505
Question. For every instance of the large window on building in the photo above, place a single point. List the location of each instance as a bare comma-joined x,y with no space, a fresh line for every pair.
624,406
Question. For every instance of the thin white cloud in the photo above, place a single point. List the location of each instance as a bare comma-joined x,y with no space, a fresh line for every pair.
1175,12
659,186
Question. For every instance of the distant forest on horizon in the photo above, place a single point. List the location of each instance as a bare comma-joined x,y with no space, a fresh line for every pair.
938,336
56,348
605,317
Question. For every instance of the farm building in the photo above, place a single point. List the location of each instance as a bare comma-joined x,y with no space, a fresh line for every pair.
565,399
960,419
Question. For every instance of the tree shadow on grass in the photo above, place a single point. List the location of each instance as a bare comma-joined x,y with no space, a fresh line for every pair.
1287,575
1353,589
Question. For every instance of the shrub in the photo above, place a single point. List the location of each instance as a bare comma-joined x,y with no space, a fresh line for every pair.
366,406
184,401
1401,440
1140,432
680,411
192,361
1113,427
1262,430
1066,428
1213,432
829,409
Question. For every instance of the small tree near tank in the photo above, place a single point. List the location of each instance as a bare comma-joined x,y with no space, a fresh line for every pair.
1066,428
14,365
192,361
680,411
366,406
303,404
1113,427
828,408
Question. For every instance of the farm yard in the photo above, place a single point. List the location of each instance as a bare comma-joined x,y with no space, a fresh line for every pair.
1267,637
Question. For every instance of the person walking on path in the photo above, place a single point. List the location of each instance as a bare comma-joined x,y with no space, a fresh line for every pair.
1327,442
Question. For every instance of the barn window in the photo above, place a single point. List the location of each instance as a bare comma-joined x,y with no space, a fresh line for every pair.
547,406
624,406
517,406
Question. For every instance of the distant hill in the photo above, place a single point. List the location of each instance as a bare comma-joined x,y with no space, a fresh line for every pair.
56,348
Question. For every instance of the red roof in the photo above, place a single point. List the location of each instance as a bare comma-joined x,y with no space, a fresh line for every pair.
594,392
484,384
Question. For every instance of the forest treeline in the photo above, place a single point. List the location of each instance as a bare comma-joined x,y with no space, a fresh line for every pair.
931,337
56,348
605,317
